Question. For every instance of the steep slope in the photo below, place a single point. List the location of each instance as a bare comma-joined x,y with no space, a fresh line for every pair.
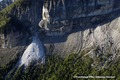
65,26
88,24
105,35
89,28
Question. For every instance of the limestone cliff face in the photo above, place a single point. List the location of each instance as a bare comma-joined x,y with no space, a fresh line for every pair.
60,16
85,26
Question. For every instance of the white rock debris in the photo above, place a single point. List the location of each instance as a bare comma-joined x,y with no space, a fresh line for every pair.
34,52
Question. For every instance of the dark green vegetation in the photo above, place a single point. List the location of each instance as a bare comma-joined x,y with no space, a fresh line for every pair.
57,68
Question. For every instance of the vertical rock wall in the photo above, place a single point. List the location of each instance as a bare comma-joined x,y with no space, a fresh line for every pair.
59,16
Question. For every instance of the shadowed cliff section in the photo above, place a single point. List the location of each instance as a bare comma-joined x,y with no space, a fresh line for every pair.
19,19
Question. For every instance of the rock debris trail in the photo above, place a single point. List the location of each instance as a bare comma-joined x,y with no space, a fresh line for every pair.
34,52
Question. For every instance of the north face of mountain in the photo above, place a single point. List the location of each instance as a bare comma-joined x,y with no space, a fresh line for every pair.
64,27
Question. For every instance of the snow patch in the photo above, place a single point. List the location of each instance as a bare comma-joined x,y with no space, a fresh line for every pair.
34,52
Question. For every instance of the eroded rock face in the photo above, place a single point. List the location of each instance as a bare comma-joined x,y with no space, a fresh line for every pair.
61,16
